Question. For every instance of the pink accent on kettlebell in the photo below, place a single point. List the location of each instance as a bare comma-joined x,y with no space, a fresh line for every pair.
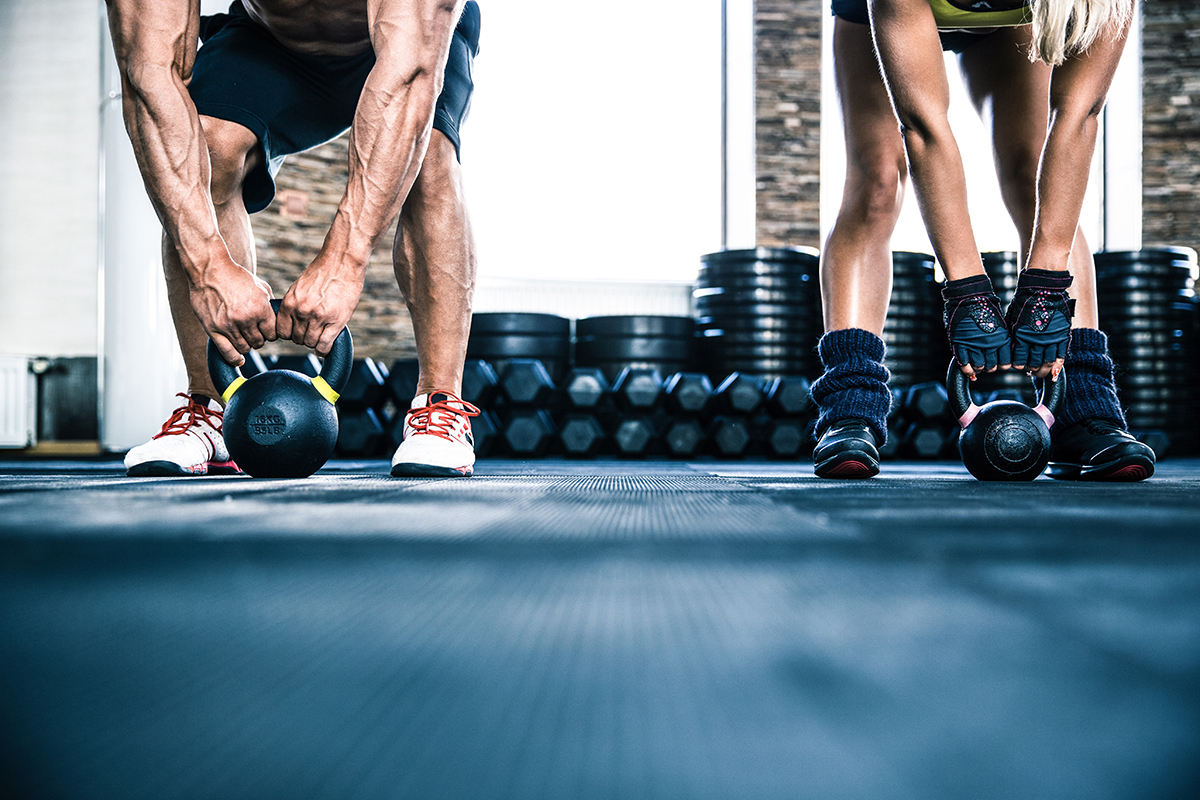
969,415
1045,414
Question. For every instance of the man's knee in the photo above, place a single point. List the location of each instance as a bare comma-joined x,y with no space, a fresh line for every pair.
232,151
440,177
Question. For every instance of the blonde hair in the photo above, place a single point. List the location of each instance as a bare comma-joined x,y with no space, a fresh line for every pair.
1065,27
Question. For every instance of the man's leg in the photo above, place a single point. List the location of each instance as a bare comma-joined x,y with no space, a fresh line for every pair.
434,261
1089,437
190,442
233,152
856,265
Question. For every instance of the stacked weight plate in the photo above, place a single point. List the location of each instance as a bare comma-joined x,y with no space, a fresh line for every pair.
665,344
759,312
1147,308
499,337
1003,267
916,343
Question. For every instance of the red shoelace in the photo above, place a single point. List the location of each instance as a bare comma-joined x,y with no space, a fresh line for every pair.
186,416
424,420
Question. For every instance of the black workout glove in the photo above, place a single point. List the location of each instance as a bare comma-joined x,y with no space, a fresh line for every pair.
974,323
1039,317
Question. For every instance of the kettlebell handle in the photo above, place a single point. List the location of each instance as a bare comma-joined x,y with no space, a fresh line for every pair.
335,370
965,410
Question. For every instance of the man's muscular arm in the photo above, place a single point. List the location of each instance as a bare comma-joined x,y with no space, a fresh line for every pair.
155,44
391,130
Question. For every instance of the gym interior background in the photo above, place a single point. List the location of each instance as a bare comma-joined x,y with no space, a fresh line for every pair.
692,614
733,154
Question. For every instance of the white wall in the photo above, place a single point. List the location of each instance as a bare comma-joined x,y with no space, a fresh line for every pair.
49,83
592,150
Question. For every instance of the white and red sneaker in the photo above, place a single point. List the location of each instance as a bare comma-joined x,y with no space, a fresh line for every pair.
437,438
190,443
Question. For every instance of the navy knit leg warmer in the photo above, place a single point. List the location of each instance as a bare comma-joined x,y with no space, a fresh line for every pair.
855,380
1091,389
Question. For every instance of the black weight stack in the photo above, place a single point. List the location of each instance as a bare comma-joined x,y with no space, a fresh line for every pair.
916,342
1147,307
613,343
759,312
499,337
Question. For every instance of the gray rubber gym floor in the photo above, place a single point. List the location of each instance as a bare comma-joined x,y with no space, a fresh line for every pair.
598,630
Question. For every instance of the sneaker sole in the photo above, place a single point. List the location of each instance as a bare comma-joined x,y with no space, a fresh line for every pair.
169,469
848,464
1130,469
404,470
164,469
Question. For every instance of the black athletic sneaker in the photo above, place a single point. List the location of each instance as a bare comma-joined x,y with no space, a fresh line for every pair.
847,449
1099,450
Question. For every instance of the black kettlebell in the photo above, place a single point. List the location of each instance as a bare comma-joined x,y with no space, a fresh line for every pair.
282,424
1004,440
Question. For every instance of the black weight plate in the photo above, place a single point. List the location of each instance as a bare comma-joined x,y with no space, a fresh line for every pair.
1121,327
1001,258
527,324
717,305
915,337
917,323
1172,367
612,348
916,299
766,254
1164,312
923,293
1141,338
755,352
713,276
1150,255
1180,379
718,336
641,326
906,259
1137,283
719,296
612,369
517,346
778,282
771,366
1168,394
1145,407
1174,352
1156,298
1177,271
798,325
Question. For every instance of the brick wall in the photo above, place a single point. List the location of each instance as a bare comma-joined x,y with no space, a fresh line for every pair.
787,38
289,234
1171,123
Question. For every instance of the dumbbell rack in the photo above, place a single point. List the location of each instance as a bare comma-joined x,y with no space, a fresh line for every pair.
651,387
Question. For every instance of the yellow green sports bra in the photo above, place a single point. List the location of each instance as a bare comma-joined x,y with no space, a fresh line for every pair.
950,16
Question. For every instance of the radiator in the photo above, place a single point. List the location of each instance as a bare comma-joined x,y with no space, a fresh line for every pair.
18,403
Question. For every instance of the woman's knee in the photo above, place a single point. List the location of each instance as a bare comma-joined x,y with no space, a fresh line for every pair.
874,190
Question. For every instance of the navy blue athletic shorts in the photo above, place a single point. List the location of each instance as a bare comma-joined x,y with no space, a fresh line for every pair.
294,102
956,41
